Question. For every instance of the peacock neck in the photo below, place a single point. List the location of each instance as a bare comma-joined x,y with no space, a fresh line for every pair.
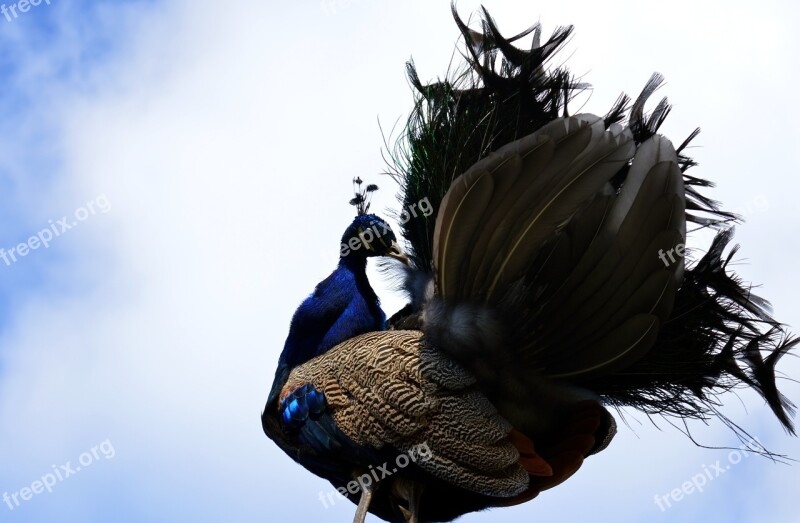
342,306
356,267
362,312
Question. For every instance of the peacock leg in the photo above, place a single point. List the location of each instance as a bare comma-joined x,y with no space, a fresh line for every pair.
363,504
411,492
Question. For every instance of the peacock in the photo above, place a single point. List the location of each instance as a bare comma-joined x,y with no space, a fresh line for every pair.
550,283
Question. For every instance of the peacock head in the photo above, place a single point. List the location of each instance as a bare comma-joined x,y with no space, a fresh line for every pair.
368,235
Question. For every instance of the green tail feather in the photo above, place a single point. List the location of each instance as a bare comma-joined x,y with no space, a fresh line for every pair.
482,105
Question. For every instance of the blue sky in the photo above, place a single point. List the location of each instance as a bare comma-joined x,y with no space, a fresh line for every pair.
223,138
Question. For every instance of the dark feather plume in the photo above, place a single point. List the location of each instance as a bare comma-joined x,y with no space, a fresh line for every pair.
500,94
714,341
719,335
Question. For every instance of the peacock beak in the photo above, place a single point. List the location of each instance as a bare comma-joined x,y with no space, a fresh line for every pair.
397,253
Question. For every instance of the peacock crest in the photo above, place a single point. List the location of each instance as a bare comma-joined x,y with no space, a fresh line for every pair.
361,200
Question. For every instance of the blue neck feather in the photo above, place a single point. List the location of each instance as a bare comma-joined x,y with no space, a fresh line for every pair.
342,306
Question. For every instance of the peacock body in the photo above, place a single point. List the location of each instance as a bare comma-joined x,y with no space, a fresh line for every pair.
538,293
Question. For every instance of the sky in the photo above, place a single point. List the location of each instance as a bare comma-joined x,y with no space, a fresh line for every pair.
184,169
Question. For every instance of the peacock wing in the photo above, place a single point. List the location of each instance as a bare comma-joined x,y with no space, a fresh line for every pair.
538,226
392,390
498,213
606,314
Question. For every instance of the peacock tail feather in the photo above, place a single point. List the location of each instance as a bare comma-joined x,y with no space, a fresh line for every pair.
565,219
